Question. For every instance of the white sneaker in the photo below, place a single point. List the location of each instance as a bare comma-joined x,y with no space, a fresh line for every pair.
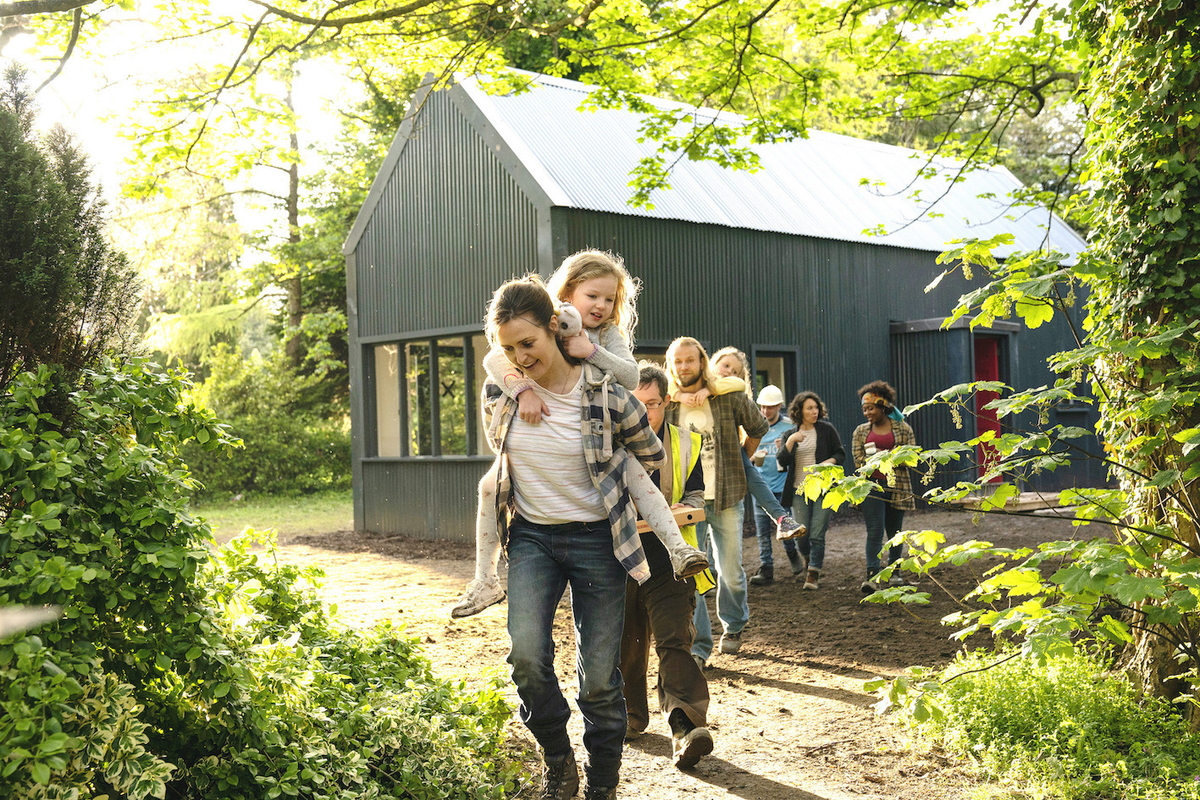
480,593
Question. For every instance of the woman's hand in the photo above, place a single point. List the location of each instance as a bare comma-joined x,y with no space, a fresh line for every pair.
530,407
796,438
579,346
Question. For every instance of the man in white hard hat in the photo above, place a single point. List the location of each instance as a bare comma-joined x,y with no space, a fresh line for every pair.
770,402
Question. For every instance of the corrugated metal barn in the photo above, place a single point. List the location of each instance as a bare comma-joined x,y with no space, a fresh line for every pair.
479,188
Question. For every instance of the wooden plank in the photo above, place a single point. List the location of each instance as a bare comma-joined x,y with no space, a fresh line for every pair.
683,516
1025,501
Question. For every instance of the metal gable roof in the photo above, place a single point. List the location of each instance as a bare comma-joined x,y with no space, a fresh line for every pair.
808,187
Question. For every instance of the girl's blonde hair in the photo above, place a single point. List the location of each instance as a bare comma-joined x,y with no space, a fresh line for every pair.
741,359
588,264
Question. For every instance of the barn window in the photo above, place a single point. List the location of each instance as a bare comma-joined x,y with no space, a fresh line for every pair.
426,394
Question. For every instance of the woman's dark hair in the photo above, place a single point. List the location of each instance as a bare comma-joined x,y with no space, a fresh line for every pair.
881,388
522,297
796,407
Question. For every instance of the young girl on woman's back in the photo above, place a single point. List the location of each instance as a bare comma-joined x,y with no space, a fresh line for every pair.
596,287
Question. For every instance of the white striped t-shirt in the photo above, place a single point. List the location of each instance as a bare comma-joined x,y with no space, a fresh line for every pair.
551,482
806,452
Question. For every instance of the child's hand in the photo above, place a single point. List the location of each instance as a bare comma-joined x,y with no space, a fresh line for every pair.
530,407
695,399
579,346
686,398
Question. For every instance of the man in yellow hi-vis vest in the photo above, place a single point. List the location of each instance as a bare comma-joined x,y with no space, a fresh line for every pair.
663,606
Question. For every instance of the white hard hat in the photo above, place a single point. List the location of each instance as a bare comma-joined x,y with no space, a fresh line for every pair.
770,395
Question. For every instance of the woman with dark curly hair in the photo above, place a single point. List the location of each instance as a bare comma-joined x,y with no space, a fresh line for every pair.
812,442
883,511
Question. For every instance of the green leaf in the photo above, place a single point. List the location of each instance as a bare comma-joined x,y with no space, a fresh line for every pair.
997,499
1132,589
1164,477
1034,312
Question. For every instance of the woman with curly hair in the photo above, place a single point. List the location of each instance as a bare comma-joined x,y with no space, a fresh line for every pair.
883,511
814,441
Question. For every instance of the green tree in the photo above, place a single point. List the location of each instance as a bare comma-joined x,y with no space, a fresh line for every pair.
65,294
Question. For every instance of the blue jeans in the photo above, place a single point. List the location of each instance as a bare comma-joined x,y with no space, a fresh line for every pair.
883,522
815,517
762,493
766,537
542,561
721,534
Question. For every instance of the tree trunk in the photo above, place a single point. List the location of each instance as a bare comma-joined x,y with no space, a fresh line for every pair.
295,298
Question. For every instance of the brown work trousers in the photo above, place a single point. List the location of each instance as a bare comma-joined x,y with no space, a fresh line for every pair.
662,607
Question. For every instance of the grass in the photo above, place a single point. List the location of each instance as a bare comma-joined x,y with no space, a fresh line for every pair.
291,516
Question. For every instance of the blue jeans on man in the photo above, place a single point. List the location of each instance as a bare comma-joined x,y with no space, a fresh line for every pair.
542,561
721,534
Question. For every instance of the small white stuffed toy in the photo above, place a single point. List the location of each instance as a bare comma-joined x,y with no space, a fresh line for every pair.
569,321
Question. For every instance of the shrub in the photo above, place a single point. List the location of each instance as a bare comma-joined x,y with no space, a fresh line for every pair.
289,446
1065,724
174,671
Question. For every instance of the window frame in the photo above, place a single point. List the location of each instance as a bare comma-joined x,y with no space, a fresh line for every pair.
466,339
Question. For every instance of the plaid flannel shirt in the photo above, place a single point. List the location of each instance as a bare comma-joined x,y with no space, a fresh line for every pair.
897,490
614,427
730,411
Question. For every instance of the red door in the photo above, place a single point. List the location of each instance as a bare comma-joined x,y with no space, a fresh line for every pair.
987,368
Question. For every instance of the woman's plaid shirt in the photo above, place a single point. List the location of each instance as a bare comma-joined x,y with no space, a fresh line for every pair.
898,490
614,427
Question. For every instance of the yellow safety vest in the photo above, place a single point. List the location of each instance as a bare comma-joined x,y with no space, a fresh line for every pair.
685,452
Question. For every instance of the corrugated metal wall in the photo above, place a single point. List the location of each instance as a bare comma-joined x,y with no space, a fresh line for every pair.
426,499
834,300
926,363
451,225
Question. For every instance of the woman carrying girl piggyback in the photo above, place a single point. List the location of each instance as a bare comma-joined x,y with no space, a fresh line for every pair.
594,288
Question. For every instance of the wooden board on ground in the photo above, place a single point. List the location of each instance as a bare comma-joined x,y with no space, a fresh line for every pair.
1025,501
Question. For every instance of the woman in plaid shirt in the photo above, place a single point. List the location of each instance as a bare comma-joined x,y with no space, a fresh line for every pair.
883,511
566,515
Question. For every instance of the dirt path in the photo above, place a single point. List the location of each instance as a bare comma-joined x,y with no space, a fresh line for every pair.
789,715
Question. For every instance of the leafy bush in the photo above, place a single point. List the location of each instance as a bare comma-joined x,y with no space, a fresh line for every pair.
1064,724
172,670
290,448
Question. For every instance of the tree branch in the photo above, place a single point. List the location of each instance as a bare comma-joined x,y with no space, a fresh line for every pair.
76,26
325,21
19,8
